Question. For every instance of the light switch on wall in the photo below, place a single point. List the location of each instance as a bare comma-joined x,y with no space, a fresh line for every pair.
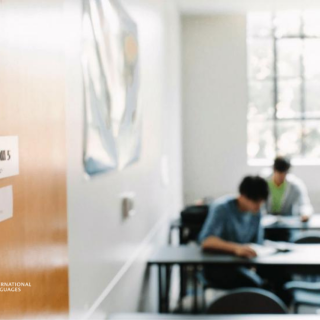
128,205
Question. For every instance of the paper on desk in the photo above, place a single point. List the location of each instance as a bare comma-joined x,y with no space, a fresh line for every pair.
279,245
263,251
271,247
6,203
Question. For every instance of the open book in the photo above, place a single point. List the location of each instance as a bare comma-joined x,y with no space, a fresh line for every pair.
270,247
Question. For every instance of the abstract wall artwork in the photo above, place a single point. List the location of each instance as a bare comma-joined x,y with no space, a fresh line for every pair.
112,135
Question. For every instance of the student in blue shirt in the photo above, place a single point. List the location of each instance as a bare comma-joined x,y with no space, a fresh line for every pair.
233,223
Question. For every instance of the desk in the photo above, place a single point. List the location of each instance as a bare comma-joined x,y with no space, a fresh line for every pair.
282,229
287,223
151,316
303,259
291,223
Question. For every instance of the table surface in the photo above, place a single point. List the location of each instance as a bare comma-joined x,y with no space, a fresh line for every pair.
301,255
145,316
272,222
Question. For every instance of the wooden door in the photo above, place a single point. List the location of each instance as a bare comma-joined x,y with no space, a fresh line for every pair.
33,244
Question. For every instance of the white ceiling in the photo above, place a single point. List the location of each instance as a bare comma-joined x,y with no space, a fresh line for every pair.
225,6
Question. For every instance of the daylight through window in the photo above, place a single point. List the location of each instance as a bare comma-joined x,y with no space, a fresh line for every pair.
284,85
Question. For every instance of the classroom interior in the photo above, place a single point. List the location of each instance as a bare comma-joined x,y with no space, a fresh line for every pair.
214,108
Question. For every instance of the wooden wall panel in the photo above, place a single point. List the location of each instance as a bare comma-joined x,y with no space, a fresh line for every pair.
33,244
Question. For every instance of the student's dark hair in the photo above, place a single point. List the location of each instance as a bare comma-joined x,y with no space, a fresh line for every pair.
281,164
254,188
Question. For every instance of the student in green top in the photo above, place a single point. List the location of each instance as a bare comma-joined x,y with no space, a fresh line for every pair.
288,194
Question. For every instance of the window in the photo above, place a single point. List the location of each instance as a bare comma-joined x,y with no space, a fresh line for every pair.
284,85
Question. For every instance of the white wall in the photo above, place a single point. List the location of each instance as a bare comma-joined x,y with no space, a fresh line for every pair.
215,107
214,104
100,241
235,6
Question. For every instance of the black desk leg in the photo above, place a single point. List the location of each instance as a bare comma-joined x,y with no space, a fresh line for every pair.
182,285
167,289
160,285
164,275
195,290
181,231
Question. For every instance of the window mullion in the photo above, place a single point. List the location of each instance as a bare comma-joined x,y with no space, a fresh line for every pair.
275,83
302,89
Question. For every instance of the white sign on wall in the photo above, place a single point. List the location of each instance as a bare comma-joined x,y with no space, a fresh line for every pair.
6,203
9,156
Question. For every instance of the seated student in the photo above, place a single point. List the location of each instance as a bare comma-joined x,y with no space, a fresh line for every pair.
233,223
288,194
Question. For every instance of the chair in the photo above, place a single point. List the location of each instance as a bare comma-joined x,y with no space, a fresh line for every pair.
248,301
192,219
304,293
243,278
308,237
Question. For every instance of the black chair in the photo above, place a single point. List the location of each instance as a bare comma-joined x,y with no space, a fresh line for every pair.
311,237
304,293
192,220
308,237
248,301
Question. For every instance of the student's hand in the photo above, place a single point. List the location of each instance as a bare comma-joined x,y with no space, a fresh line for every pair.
304,218
245,251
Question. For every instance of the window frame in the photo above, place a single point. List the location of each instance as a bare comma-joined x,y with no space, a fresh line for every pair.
303,118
